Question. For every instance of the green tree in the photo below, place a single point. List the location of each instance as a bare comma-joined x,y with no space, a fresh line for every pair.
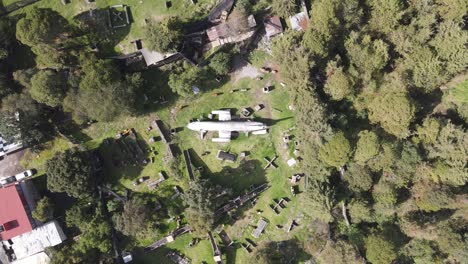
293,59
200,200
452,10
41,25
44,210
359,178
182,81
367,147
338,85
394,111
284,8
24,119
70,172
380,250
98,73
336,152
385,14
444,173
95,230
360,211
320,200
164,36
48,87
385,159
324,19
9,127
451,145
422,251
221,63
384,192
368,56
276,252
429,130
449,43
426,69
135,220
107,103
431,197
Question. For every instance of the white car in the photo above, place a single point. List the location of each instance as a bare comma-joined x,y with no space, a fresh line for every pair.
23,175
7,180
16,178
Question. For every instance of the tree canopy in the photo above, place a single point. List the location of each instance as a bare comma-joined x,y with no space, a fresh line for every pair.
394,111
164,36
48,87
70,172
200,200
41,25
337,151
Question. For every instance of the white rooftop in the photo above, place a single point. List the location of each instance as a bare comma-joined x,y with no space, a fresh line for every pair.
35,241
39,258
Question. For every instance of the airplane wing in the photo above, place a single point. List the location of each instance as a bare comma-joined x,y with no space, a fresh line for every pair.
223,115
224,136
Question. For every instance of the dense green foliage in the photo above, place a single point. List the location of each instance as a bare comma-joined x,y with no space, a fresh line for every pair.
382,66
164,36
135,219
284,8
200,212
221,63
378,90
95,231
336,152
71,172
48,87
183,80
44,210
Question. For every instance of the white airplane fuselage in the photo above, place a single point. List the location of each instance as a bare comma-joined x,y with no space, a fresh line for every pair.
228,126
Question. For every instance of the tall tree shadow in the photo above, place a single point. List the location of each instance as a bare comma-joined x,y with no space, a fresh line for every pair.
240,179
286,251
124,157
101,33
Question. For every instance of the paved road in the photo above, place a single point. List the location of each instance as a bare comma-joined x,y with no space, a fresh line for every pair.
10,165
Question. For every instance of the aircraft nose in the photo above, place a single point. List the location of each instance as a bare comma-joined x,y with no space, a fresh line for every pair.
191,126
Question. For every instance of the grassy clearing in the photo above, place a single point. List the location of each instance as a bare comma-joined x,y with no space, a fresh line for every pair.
239,175
141,10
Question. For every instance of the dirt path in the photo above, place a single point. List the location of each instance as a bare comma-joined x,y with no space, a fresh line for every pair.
243,69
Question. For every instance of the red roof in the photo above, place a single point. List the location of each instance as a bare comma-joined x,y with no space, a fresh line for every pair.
13,216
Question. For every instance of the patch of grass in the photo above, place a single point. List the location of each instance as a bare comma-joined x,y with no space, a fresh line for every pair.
238,176
38,160
140,11
258,58
460,92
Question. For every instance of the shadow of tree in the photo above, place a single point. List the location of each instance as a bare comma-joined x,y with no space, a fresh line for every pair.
95,24
124,157
286,251
240,179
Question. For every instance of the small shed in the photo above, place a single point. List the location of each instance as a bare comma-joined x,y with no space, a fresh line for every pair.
223,155
273,26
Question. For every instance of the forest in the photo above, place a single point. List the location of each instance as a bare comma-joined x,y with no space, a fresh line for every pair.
380,96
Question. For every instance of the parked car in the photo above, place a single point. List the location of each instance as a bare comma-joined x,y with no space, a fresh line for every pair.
24,174
8,180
